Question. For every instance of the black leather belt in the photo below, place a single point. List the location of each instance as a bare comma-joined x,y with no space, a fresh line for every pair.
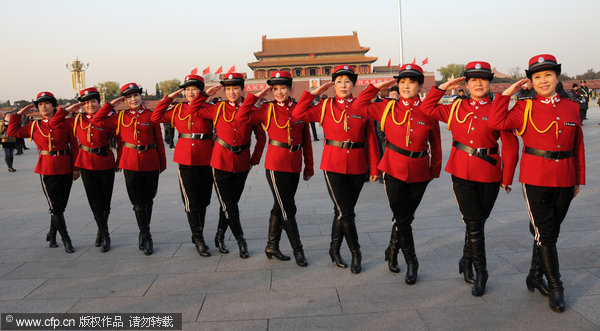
55,153
292,148
344,144
233,149
551,155
96,150
410,154
140,148
482,153
196,136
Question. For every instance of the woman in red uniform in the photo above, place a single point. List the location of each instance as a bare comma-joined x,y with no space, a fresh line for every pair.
406,162
288,142
95,159
192,152
230,160
350,143
58,151
552,165
475,164
142,158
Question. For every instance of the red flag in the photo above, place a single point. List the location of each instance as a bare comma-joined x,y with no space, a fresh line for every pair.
206,71
220,70
390,63
426,60
194,71
232,69
414,61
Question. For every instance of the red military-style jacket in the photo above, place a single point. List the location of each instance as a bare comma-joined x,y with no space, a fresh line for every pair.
89,136
187,151
233,132
559,118
135,127
469,126
408,128
341,124
48,137
276,119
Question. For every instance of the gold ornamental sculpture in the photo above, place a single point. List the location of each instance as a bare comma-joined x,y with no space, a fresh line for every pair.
77,69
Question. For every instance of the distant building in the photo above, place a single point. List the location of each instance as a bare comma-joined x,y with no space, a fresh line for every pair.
311,56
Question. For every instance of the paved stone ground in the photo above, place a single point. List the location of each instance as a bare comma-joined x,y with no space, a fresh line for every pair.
226,292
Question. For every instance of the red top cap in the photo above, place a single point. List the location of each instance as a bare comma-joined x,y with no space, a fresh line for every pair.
479,69
44,95
193,80
410,70
281,74
233,78
280,78
130,88
344,70
542,62
88,93
343,67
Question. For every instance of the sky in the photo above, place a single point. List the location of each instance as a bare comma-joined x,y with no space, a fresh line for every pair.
150,41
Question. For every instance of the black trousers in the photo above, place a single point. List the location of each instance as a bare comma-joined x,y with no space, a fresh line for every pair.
344,190
314,131
283,186
404,198
98,186
195,184
57,189
229,187
547,207
141,186
475,199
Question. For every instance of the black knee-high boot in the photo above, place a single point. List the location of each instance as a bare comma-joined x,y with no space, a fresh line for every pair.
477,245
549,258
535,278
51,236
272,248
337,236
196,222
351,235
291,228
220,236
9,162
465,264
61,226
102,238
407,244
238,233
145,238
391,253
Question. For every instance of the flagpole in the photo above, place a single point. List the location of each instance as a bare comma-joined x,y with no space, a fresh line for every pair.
400,32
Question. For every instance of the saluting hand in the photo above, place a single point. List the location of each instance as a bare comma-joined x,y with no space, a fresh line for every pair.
25,109
175,94
117,101
452,83
514,88
385,84
322,88
213,90
264,92
74,108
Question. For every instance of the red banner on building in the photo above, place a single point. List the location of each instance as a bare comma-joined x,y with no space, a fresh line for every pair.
255,87
371,81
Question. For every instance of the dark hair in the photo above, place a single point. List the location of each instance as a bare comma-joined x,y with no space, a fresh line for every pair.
575,85
419,79
395,89
461,90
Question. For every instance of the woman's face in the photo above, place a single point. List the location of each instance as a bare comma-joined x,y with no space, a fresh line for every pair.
133,100
281,92
91,106
46,109
479,88
233,93
544,83
343,86
191,92
409,88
